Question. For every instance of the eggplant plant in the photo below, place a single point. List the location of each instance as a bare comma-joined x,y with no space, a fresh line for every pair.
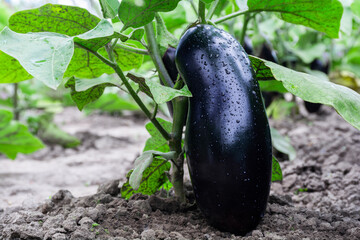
59,44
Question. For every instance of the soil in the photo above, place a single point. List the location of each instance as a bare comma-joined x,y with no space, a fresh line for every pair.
319,197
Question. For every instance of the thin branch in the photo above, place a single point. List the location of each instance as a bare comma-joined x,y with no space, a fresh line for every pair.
132,92
230,16
133,49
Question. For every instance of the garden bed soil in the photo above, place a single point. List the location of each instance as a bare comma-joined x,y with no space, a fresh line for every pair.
319,197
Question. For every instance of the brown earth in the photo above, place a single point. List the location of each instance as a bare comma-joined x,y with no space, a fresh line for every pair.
319,197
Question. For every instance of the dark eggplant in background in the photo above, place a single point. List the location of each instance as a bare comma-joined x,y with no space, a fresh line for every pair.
227,141
318,65
169,63
270,55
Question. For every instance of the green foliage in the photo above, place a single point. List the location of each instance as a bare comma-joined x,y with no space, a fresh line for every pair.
282,144
139,13
109,8
312,89
152,179
276,171
44,127
11,71
15,137
111,103
85,95
143,162
156,141
163,37
314,13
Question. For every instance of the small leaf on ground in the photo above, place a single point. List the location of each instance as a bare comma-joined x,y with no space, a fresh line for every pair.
143,162
153,178
276,171
15,137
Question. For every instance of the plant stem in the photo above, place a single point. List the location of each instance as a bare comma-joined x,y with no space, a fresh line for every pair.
177,175
133,49
243,32
230,16
202,17
156,56
15,102
132,92
212,9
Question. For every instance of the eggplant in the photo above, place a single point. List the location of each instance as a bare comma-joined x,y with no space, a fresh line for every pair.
169,63
318,65
227,139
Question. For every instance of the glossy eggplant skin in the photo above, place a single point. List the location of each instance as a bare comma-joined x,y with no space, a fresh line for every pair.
227,140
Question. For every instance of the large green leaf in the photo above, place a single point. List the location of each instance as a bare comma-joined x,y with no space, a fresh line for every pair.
139,13
45,56
322,15
15,137
313,89
11,71
86,65
111,102
67,20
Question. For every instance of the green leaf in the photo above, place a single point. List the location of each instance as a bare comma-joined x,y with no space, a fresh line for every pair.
67,20
282,144
15,137
44,55
111,102
163,94
321,15
11,71
207,1
50,133
141,12
156,141
313,89
143,162
142,84
163,37
85,91
272,86
276,171
152,179
307,55
86,65
355,7
109,8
